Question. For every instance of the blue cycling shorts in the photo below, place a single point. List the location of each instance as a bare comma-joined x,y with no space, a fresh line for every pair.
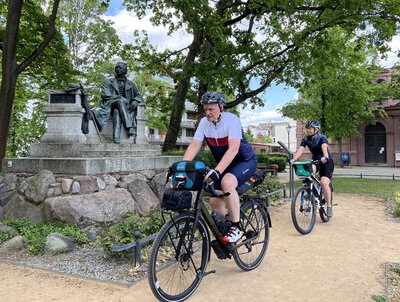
242,171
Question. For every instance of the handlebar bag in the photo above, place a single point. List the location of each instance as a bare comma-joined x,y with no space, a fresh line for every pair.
187,175
303,168
176,200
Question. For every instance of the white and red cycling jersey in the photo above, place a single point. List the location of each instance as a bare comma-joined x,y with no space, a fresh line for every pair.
217,136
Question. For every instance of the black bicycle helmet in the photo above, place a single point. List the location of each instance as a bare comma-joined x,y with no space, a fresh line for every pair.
313,124
213,97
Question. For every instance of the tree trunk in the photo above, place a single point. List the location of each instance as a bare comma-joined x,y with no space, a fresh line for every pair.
9,71
181,92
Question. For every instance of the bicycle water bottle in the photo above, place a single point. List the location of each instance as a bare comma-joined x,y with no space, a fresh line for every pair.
218,222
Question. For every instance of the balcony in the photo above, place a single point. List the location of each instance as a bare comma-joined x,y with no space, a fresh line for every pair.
190,124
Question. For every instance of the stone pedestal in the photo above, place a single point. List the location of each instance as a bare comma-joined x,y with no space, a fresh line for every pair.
64,118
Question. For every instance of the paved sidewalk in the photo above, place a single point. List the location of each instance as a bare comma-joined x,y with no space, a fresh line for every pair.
356,172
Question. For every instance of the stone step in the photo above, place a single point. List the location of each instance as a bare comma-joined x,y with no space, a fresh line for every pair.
118,154
93,150
87,166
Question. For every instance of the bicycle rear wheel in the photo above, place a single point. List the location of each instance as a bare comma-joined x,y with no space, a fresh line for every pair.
176,262
303,210
253,246
324,207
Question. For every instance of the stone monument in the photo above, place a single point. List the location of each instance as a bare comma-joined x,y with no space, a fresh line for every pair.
64,149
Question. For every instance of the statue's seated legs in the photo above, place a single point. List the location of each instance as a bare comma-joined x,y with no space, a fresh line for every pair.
120,112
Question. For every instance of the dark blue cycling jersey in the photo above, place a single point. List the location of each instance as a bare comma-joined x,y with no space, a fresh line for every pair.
315,145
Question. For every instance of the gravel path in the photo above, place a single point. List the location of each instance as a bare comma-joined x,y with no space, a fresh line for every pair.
343,260
88,262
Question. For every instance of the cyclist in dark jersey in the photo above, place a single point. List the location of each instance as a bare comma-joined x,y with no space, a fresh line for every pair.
317,143
236,159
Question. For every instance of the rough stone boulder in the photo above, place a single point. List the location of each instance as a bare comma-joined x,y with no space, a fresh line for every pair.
57,243
38,185
143,195
84,210
19,207
158,184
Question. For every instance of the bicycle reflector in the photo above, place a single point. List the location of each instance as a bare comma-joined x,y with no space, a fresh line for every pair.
303,168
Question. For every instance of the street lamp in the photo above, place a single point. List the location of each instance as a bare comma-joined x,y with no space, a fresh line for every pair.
288,128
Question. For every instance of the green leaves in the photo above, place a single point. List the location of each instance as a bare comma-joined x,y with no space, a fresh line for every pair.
337,84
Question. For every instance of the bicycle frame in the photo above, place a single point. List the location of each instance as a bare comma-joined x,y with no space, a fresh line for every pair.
311,182
200,209
182,249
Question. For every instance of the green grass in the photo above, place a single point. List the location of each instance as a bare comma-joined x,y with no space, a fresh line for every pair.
381,187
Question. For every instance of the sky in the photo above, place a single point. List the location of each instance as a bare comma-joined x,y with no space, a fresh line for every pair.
275,96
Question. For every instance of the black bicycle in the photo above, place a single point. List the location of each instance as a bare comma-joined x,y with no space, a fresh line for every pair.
181,250
308,198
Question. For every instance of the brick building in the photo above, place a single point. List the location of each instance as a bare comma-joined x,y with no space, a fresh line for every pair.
379,144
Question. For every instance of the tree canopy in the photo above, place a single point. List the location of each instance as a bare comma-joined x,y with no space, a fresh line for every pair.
240,47
337,85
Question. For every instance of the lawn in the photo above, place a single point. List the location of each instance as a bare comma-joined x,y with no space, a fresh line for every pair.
381,187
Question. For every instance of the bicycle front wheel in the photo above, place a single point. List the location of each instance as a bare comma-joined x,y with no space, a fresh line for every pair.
251,249
303,210
178,258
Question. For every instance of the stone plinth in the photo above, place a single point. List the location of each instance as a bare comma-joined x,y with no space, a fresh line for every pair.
86,166
100,150
64,118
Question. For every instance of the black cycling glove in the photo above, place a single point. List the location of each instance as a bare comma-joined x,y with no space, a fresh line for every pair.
213,175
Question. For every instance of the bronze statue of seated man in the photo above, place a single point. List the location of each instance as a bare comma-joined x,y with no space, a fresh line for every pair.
120,98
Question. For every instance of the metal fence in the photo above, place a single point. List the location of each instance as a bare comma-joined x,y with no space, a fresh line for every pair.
139,243
367,175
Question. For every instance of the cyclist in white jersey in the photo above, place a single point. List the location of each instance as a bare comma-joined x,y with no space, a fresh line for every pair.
236,160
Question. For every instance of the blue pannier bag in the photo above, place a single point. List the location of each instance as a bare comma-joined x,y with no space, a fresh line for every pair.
187,175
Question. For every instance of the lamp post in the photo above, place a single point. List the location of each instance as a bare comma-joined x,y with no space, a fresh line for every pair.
288,128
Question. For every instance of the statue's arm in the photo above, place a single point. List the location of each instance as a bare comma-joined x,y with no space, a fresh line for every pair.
106,91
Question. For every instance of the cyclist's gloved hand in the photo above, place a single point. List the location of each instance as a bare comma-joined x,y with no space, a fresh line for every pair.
291,162
324,159
212,175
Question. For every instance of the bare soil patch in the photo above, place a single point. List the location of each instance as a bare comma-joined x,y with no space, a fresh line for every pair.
346,259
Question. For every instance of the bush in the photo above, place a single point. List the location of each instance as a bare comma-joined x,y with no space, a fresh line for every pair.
7,234
206,157
273,158
174,153
123,231
269,184
36,233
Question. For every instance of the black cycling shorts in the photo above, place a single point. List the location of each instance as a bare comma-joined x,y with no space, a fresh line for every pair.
327,168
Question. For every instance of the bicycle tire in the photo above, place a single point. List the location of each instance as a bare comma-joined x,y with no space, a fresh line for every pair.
324,207
303,216
172,278
255,223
